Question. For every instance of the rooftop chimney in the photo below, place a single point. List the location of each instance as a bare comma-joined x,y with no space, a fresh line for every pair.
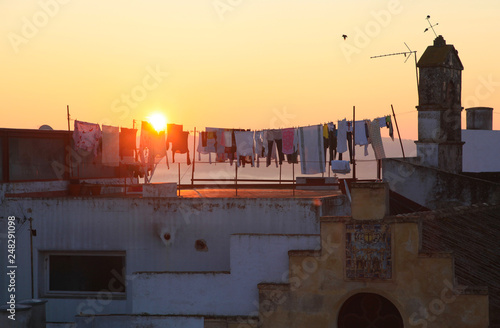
479,118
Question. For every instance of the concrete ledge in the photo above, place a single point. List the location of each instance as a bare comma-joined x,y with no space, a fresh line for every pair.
159,190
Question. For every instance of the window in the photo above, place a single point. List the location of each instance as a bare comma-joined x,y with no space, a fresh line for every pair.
84,274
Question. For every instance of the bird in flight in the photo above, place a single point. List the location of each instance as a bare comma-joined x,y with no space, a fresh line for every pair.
344,36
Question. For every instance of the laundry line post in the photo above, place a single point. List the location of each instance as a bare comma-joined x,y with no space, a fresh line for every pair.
69,144
280,174
236,179
179,172
399,136
32,233
293,178
194,156
354,143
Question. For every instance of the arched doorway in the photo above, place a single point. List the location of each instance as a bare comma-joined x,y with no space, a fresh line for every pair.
368,310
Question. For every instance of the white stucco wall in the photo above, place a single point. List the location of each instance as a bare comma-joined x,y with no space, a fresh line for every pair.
481,151
136,226
254,259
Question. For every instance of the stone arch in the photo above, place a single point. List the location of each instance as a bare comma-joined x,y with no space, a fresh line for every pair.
369,310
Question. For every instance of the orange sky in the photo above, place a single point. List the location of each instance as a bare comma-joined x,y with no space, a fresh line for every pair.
233,63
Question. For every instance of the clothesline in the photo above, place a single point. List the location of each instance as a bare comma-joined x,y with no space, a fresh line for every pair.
243,146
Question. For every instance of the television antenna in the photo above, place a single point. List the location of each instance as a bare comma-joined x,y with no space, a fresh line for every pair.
407,54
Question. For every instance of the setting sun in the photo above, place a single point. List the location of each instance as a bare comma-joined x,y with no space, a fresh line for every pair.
158,121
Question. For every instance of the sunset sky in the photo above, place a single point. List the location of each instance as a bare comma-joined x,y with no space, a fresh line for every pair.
233,63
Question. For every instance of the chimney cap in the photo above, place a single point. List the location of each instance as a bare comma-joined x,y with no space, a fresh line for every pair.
439,41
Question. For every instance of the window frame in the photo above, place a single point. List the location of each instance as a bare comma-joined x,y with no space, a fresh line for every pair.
44,276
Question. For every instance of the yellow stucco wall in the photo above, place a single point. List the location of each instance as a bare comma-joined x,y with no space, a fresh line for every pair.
370,200
421,287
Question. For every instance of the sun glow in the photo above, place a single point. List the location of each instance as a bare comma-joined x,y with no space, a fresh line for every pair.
158,121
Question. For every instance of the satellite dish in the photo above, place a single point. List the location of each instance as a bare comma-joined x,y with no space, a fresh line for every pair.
45,127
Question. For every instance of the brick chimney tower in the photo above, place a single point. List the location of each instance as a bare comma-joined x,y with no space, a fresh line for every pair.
439,108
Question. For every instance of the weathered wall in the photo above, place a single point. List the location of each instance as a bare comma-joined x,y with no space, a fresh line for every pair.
254,259
434,188
137,226
139,321
370,200
420,282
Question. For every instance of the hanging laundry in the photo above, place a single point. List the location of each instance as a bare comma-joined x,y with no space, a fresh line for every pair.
360,134
274,136
367,137
148,134
311,149
211,142
293,158
159,148
349,145
332,137
87,136
388,123
326,139
203,138
128,141
220,145
152,146
349,126
174,133
325,130
228,138
289,142
342,136
230,148
203,146
110,145
342,167
376,139
244,145
259,145
181,146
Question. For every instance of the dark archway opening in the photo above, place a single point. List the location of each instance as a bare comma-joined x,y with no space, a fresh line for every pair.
368,310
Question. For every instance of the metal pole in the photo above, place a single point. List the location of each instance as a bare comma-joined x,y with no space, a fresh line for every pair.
236,179
354,142
280,174
379,166
293,178
67,111
194,156
179,186
31,250
416,71
69,143
396,122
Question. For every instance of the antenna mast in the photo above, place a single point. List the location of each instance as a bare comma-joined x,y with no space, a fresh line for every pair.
407,54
